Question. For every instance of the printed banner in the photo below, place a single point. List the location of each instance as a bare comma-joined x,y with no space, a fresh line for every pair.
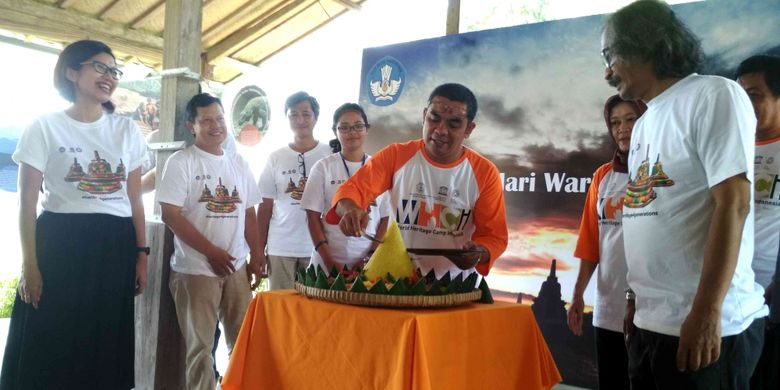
541,93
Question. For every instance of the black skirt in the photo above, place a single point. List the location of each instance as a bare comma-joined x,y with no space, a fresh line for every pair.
82,334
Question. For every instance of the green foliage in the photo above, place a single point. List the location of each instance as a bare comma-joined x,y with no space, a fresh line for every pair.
7,296
479,15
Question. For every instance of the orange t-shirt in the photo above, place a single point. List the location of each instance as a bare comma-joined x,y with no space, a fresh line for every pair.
436,205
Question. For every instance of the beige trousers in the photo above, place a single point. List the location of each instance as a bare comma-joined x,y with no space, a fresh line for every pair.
200,301
281,271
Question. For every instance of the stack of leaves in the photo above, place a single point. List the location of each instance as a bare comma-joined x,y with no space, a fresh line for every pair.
356,281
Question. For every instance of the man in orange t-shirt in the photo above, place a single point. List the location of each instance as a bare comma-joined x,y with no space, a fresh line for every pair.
443,194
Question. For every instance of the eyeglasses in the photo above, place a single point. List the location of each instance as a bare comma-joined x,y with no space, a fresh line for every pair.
357,127
606,56
102,68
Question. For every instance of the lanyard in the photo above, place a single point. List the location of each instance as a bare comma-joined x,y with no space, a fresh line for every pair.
344,162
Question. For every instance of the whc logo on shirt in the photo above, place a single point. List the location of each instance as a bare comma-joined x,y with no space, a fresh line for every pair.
436,216
608,207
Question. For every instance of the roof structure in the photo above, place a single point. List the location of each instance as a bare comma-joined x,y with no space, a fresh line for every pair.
236,33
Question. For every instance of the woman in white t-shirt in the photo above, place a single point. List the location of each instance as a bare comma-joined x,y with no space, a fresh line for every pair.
84,256
331,246
600,248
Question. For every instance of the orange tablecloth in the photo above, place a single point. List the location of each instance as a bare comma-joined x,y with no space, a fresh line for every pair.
289,341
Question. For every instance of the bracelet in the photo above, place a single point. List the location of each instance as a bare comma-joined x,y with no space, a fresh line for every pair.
319,244
630,295
144,249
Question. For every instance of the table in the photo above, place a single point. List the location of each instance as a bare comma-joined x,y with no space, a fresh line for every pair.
288,341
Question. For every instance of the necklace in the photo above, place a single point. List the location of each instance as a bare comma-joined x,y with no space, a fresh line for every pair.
344,162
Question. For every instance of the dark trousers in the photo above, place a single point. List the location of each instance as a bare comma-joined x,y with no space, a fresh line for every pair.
767,375
612,359
652,361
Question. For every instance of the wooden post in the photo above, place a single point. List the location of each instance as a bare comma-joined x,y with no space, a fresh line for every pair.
453,17
159,358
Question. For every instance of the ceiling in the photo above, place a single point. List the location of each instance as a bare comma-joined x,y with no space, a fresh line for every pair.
236,33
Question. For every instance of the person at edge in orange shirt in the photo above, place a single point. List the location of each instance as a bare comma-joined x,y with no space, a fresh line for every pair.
443,194
600,245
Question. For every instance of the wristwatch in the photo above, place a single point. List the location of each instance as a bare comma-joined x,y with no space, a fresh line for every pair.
630,295
144,249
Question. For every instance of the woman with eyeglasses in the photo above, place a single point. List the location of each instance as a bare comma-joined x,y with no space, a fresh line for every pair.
84,256
600,249
331,246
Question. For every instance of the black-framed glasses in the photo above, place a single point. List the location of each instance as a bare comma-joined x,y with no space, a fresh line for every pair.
102,68
606,56
302,164
357,127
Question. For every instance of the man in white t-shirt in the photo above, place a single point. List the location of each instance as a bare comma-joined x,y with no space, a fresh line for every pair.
687,215
760,76
207,198
281,221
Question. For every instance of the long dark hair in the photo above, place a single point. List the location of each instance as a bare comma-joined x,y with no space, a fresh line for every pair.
334,144
649,31
71,58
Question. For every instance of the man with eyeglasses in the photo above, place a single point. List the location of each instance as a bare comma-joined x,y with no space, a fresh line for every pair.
443,194
688,228
281,221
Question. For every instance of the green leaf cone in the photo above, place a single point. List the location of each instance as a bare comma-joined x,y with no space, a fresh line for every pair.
435,289
389,277
399,288
333,271
470,283
322,281
311,277
338,284
445,279
378,288
418,288
358,286
456,285
487,297
300,275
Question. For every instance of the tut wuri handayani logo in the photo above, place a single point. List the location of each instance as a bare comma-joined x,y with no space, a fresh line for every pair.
386,81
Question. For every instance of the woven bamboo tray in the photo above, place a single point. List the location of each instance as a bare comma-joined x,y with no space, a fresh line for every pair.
366,299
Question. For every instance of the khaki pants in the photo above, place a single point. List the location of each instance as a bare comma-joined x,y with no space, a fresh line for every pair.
281,271
200,301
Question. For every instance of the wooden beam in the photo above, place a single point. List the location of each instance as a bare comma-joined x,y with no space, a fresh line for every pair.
39,15
249,33
453,17
138,19
106,9
30,45
349,4
235,17
65,3
160,357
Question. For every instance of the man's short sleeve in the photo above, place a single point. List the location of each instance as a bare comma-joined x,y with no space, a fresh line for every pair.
175,180
724,132
267,183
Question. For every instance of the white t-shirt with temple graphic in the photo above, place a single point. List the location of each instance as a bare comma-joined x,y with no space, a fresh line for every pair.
214,193
767,204
283,180
696,134
84,165
326,177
